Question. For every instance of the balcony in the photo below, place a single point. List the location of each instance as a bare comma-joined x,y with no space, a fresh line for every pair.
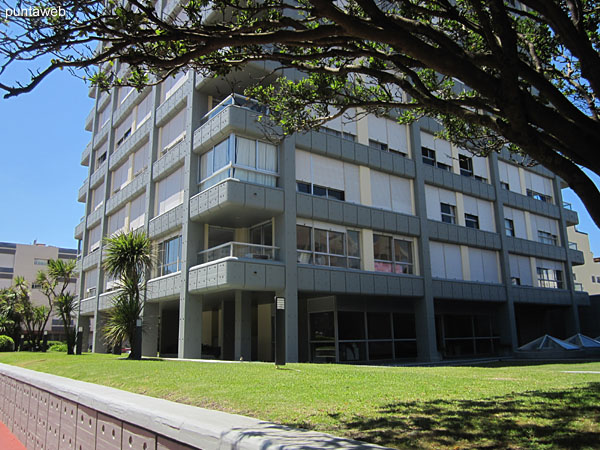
236,201
228,117
238,250
81,196
89,120
85,156
79,229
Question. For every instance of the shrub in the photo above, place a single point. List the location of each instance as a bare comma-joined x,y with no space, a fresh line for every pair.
6,343
57,347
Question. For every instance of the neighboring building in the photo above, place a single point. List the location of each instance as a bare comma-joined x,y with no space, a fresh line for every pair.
587,275
26,261
385,242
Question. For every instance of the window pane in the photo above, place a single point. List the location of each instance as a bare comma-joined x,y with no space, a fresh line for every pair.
380,350
352,351
220,155
303,238
351,325
403,251
319,190
379,325
245,152
303,187
404,326
320,241
267,157
336,243
353,243
382,247
321,327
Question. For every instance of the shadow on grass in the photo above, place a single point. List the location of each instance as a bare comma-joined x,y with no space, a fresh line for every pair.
568,419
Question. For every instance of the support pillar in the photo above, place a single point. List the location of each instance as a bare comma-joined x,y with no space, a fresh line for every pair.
424,306
84,323
190,327
226,330
285,239
243,326
99,346
150,317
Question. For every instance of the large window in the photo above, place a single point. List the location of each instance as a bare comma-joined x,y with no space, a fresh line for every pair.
448,213
549,278
169,256
466,165
327,247
320,191
547,238
392,255
509,227
172,132
472,221
428,156
539,196
245,159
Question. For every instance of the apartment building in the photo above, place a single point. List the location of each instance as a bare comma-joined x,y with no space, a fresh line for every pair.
587,275
385,242
26,261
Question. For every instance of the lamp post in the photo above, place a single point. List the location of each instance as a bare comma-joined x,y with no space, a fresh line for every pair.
279,331
45,341
137,348
79,344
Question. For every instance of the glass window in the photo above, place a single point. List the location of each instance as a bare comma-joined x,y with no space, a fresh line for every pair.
509,226
547,238
262,234
40,262
169,255
330,247
505,186
396,258
549,278
303,187
351,325
428,156
466,165
448,213
379,325
471,221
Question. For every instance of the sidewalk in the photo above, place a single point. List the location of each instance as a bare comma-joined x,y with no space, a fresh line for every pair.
8,441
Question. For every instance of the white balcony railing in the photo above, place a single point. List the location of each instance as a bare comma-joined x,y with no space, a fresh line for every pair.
238,250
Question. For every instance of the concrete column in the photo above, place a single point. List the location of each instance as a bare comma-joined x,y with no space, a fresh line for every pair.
190,306
190,327
424,306
285,239
572,319
150,317
226,330
99,346
84,323
243,326
508,323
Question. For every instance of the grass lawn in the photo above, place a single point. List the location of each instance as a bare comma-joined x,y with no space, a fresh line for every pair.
500,406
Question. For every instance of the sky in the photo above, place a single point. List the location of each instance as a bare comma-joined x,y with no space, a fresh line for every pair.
42,138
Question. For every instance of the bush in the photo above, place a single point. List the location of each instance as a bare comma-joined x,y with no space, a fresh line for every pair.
6,344
57,347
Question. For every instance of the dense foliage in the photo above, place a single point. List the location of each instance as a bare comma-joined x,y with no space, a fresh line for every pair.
495,73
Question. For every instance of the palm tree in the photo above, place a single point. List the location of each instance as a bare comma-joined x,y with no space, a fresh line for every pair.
128,257
54,285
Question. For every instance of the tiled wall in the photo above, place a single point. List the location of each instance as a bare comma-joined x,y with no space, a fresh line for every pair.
44,421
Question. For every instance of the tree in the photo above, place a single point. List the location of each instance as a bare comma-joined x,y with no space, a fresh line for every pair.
128,258
54,285
34,317
10,317
523,75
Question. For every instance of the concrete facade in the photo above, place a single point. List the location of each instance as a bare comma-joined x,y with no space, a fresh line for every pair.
588,273
26,261
386,242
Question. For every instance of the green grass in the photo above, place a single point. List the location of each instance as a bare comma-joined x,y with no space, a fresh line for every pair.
501,406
